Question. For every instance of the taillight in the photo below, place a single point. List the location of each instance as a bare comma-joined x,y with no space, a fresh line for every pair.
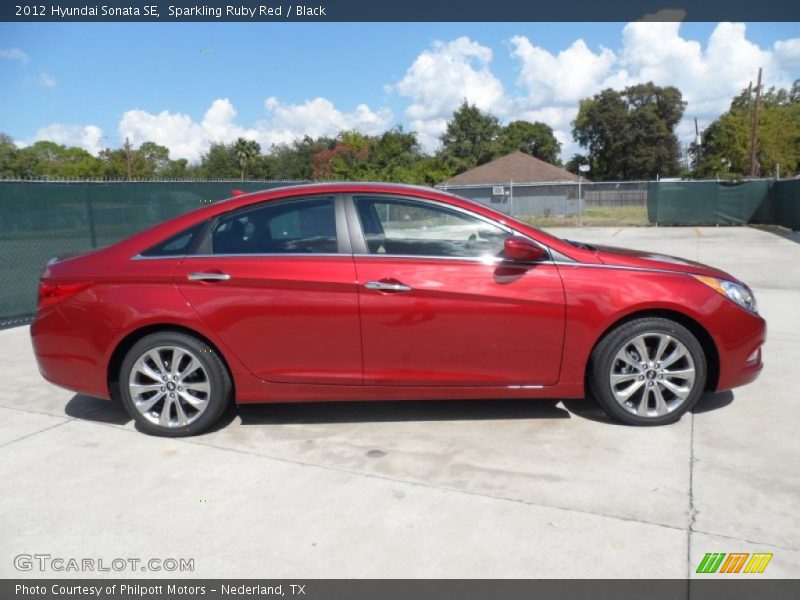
53,293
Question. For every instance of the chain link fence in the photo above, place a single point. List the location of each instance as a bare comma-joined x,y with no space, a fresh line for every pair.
554,199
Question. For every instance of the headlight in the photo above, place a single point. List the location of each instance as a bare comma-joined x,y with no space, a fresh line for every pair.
740,294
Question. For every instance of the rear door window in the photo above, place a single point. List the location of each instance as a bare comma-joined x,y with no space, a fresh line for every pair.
306,226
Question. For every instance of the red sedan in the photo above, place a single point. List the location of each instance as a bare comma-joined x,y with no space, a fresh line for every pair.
375,291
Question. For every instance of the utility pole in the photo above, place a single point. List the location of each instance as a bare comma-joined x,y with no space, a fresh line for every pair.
128,157
698,143
754,142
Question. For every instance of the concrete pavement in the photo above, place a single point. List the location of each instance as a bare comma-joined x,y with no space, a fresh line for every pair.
438,489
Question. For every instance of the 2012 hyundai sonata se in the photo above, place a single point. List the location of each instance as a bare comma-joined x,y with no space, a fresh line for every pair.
376,291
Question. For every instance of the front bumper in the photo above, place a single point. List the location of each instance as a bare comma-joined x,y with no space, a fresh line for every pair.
739,336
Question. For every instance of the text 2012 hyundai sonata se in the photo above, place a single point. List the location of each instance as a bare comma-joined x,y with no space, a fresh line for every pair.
375,291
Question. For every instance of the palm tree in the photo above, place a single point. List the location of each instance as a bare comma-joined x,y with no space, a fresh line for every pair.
245,151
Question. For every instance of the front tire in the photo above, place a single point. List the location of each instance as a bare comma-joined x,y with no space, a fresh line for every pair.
173,384
648,371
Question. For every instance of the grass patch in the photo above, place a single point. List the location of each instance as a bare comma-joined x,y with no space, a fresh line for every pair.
595,216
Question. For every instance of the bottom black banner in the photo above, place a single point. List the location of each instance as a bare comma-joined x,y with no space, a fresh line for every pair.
398,589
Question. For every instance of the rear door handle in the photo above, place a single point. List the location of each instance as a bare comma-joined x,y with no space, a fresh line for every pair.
208,277
386,286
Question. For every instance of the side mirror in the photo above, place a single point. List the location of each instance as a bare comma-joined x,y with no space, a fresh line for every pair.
520,249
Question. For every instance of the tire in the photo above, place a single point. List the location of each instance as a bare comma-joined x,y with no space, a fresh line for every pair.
197,390
619,379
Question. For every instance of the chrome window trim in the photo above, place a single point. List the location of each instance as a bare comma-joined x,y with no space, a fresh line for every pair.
477,259
168,257
276,254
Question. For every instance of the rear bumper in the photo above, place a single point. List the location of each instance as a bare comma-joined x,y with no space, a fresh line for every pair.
68,358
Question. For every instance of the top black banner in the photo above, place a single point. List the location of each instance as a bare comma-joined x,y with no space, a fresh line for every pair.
401,11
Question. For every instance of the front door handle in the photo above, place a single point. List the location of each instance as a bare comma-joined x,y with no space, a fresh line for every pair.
208,277
387,286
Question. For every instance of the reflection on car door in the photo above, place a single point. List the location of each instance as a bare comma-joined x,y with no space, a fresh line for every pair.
439,307
273,284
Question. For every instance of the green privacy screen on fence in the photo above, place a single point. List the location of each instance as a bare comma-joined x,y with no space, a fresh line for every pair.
786,200
706,202
40,220
724,203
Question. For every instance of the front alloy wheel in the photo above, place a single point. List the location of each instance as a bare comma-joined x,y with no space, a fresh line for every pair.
648,371
652,375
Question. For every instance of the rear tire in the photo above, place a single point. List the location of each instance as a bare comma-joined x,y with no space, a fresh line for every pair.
173,384
648,371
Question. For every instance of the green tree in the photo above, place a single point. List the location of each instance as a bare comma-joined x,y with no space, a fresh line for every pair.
113,163
470,138
574,163
176,169
726,142
631,134
394,156
428,170
151,160
246,152
8,157
295,161
219,162
536,139
349,159
55,161
148,161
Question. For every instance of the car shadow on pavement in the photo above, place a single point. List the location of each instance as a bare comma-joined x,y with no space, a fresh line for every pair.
398,411
713,401
87,408
590,409
96,410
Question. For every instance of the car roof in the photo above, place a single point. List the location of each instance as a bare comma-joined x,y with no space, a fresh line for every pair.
343,186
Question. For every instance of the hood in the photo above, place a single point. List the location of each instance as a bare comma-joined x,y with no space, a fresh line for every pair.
625,257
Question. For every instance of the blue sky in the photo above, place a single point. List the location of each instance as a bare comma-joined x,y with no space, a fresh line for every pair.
60,79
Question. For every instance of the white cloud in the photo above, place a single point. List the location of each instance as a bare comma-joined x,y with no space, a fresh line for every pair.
46,81
441,78
787,53
14,54
318,117
88,137
568,76
184,137
709,77
283,123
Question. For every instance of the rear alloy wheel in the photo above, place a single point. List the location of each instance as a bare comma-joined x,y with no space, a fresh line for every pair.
173,384
648,372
